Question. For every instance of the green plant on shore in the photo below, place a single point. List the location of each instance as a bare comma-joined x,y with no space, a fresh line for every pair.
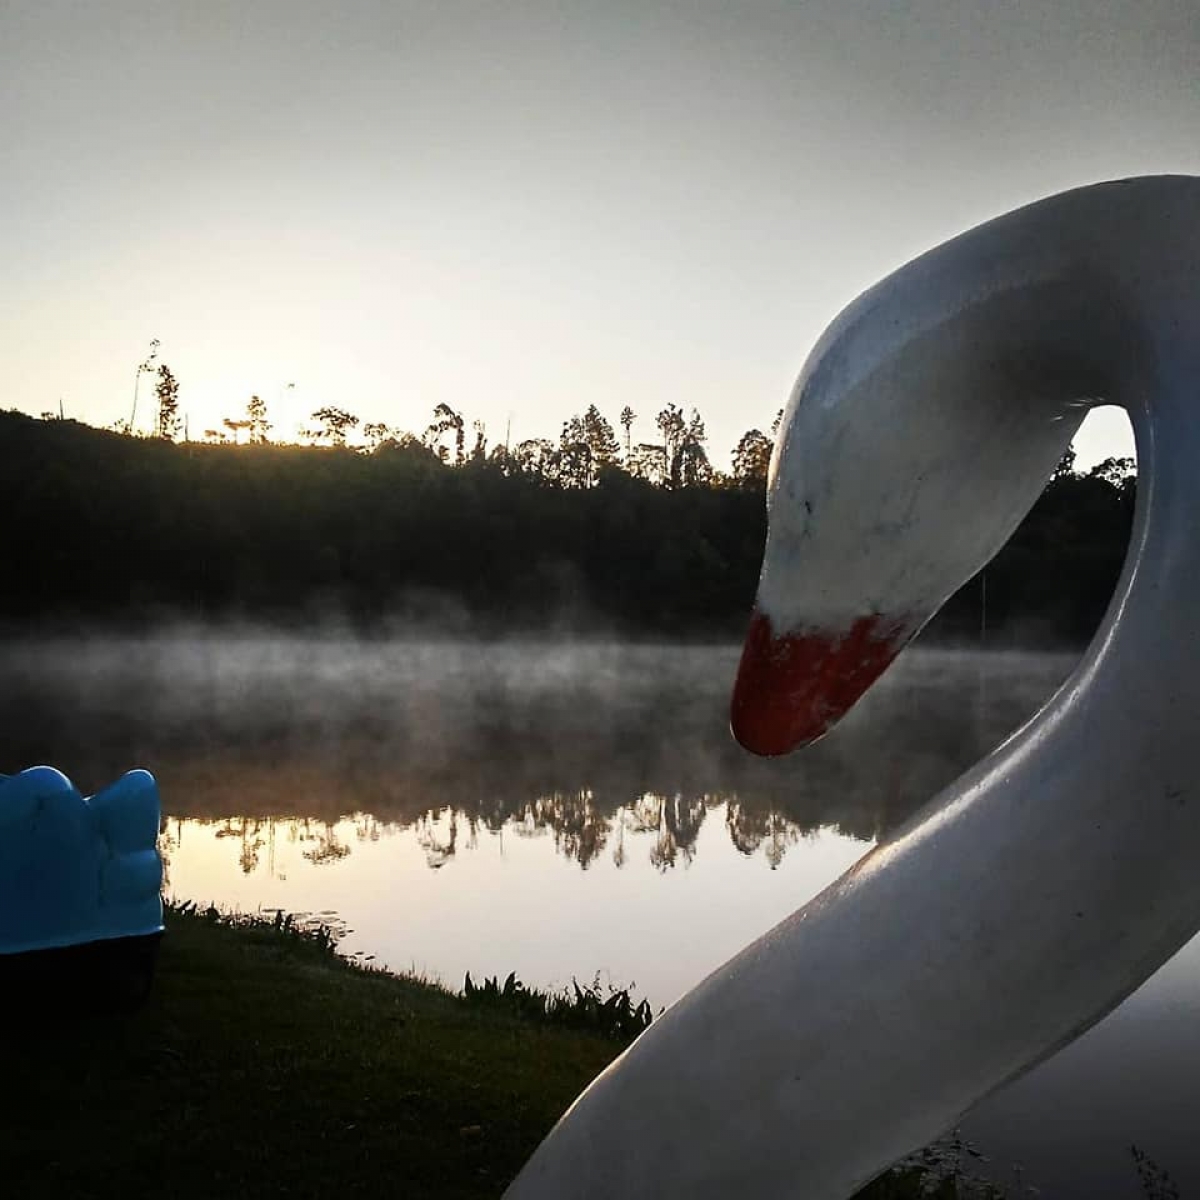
614,1015
320,933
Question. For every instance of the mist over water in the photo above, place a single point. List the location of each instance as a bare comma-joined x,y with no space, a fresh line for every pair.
327,773
233,725
560,808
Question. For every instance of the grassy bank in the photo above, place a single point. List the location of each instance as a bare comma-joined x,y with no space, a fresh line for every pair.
262,1065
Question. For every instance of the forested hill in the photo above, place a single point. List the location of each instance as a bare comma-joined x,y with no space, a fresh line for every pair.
113,530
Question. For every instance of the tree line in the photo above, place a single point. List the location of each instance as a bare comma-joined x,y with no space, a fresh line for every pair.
588,531
586,445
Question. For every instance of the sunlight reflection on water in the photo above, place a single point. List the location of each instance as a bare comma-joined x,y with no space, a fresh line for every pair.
509,900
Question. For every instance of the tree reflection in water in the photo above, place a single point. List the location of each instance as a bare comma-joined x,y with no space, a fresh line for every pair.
438,849
749,829
325,848
589,744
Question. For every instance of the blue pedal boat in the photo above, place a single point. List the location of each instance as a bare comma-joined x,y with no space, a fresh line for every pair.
81,912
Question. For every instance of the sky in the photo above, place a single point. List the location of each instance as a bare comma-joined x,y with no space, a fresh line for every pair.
523,208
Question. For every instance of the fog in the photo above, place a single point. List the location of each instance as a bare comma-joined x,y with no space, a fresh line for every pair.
324,726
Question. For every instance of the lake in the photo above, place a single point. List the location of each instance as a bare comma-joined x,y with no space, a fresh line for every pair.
572,809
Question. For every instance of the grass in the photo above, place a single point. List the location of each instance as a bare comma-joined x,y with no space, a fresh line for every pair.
263,1065
584,1006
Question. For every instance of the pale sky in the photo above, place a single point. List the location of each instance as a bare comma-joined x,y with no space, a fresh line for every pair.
524,208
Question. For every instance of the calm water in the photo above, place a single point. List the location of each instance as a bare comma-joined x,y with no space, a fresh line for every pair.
562,810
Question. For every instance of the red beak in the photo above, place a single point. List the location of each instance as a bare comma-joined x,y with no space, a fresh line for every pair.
793,688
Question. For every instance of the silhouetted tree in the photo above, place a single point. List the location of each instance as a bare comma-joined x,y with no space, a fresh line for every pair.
145,367
1066,464
691,466
575,466
683,447
334,424
446,420
501,458
376,433
628,416
256,419
167,393
673,427
648,461
751,459
479,450
1117,471
537,458
587,443
235,428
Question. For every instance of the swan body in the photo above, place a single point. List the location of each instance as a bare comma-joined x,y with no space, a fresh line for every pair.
1038,890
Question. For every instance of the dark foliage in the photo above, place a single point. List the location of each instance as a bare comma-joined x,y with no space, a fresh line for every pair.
587,1008
126,531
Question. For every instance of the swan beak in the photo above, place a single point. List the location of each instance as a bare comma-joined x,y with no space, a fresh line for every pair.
793,687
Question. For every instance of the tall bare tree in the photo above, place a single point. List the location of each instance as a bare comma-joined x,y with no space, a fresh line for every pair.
627,418
145,367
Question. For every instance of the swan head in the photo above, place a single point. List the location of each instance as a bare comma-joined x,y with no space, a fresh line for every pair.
921,430
836,599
